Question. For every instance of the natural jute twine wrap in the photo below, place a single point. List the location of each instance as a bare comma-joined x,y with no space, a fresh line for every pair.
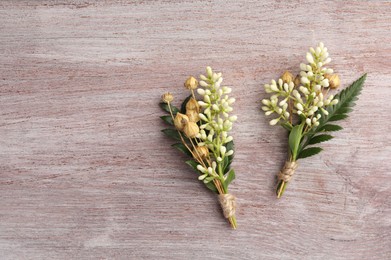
286,173
228,204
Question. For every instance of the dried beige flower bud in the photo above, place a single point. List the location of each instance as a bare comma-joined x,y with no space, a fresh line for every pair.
167,97
287,77
193,116
180,121
201,152
297,81
191,83
192,104
334,81
191,129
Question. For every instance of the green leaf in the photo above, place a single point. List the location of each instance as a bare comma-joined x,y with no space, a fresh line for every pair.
320,138
229,177
172,133
226,163
346,100
330,128
165,107
193,164
167,119
211,186
183,106
309,152
338,117
294,139
182,148
287,126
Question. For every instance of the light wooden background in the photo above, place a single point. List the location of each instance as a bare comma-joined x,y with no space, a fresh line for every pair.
85,172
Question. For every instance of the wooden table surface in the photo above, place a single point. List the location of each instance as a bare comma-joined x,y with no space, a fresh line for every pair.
85,172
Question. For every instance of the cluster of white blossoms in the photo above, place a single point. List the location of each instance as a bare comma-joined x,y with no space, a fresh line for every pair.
306,95
216,121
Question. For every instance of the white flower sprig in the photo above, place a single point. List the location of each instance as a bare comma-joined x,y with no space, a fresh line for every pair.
216,122
307,98
203,128
304,107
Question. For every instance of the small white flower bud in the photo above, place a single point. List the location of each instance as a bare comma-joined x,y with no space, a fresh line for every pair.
229,153
304,80
309,58
201,92
308,121
201,177
274,121
209,71
223,150
299,106
200,168
203,83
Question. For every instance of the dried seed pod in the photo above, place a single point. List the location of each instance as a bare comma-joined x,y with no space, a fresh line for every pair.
192,104
191,129
180,121
167,97
334,81
193,116
287,77
191,83
201,152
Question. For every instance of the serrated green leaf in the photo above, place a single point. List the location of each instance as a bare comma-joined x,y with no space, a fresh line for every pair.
165,107
309,152
172,133
338,117
167,119
182,148
319,139
294,139
183,106
346,100
330,128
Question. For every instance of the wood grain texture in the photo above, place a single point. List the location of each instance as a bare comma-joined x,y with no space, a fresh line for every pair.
86,173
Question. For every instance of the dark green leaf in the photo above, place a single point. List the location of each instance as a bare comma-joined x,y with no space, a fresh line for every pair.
294,139
330,128
183,106
287,126
230,176
228,159
319,139
338,117
309,152
211,186
164,106
172,133
167,119
193,164
182,148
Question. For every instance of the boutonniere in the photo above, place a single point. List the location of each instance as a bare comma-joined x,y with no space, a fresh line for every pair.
307,109
201,127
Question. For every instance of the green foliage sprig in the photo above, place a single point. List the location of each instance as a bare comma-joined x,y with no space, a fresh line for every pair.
202,129
305,108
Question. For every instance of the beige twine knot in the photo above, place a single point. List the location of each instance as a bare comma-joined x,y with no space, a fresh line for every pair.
228,204
286,173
